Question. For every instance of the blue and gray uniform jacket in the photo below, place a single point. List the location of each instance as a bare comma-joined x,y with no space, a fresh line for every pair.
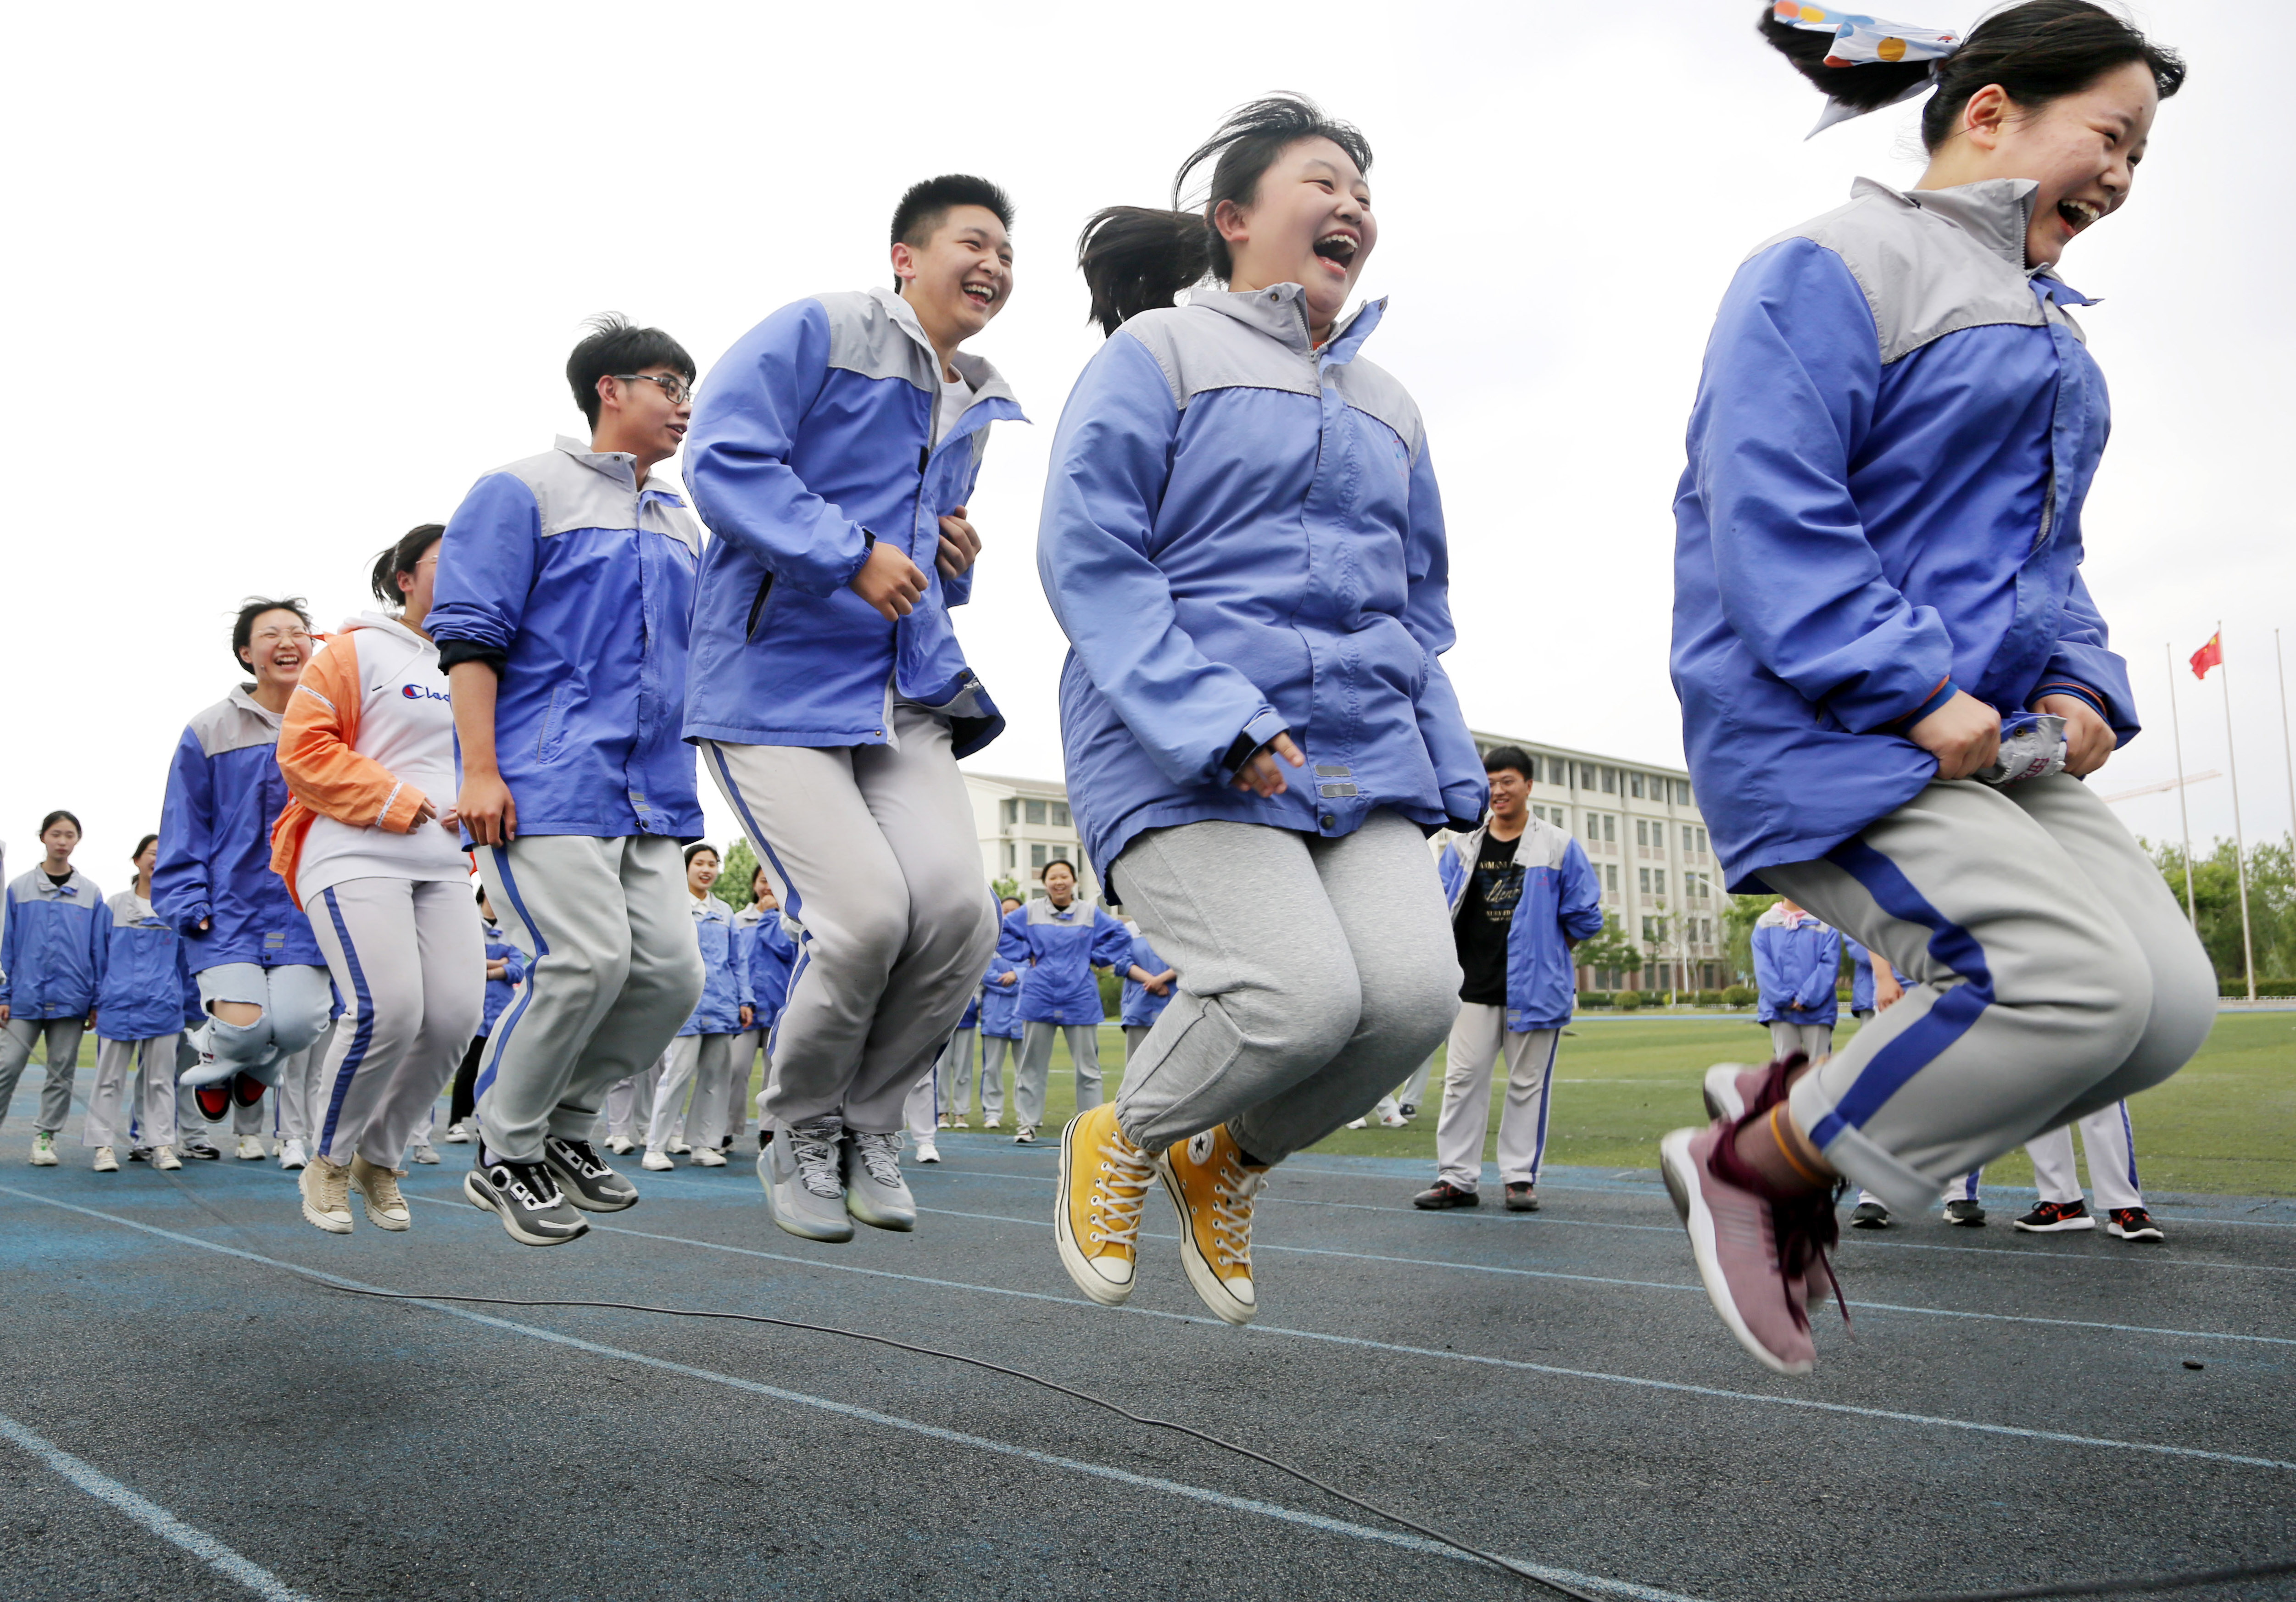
499,992
1894,434
576,586
1066,943
1796,962
1000,1003
224,791
1861,976
1242,536
769,956
1142,1006
51,946
725,981
1561,902
812,440
141,973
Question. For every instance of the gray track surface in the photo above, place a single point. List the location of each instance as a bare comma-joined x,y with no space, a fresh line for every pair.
358,1449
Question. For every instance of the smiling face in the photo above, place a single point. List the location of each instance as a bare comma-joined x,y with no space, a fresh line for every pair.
644,415
959,277
701,872
1060,884
147,861
1310,223
1510,795
278,645
761,892
2082,148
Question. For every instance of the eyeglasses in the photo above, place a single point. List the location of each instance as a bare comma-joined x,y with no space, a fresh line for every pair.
678,390
273,636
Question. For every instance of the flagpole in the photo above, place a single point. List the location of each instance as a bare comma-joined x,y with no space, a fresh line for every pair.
2239,848
2287,751
2184,811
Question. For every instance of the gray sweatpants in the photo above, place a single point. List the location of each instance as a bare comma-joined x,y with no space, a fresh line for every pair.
607,928
703,1062
62,1036
629,1103
1035,1069
996,1051
112,1105
410,963
744,1063
1479,1039
298,1103
1314,974
2050,974
954,1072
871,852
1813,1040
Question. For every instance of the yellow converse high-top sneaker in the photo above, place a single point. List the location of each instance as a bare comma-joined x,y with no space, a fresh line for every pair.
1104,1179
1213,1191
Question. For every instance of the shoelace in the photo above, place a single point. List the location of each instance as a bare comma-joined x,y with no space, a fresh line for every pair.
881,1154
531,1184
1119,1190
815,1158
1807,1229
334,1188
382,1188
1232,1190
581,1157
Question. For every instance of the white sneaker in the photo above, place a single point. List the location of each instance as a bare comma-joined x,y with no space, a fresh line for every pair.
1026,1135
250,1150
423,1153
292,1155
621,1145
458,1134
657,1160
107,1161
165,1160
1358,1123
44,1150
679,1148
1391,1119
709,1159
927,1152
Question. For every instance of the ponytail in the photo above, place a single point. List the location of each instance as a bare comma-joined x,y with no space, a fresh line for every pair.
1135,258
401,556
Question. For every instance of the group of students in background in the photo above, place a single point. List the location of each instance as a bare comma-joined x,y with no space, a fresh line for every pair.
1242,538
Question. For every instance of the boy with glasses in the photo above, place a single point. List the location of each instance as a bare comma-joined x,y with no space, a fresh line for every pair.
564,585
832,458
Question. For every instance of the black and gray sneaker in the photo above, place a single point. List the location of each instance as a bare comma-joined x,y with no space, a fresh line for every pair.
1869,1216
1966,1211
526,1198
583,1178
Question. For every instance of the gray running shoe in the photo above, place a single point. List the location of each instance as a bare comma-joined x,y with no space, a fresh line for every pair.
526,1198
583,1179
798,1167
874,1192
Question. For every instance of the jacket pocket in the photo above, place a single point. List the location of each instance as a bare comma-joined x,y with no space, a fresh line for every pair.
552,735
757,606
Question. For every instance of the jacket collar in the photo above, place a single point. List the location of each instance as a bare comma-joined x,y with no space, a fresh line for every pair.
1280,311
619,466
1994,212
242,696
383,625
979,375
76,889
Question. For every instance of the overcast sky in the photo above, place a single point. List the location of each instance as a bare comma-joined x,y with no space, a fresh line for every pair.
291,278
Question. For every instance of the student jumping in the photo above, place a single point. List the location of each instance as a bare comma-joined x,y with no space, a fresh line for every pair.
1879,539
835,450
263,980
1244,542
565,587
1522,894
1797,975
368,845
702,1053
1054,943
138,1019
51,949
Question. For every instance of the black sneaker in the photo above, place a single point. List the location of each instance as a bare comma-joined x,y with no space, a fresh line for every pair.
1442,1194
527,1200
2051,1218
199,1151
1966,1211
1522,1196
1409,1109
583,1179
2133,1223
1869,1216
139,1154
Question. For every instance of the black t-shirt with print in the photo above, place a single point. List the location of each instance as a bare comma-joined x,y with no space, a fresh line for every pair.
1486,914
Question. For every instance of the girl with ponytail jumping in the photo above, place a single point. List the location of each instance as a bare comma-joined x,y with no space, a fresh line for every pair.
1243,539
1877,598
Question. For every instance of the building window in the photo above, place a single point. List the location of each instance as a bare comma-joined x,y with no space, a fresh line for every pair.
1635,785
1012,811
1034,812
1609,830
1593,829
1060,813
1658,880
1642,832
1612,869
1610,781
1701,842
1037,855
1682,792
1011,854
1539,812
1646,881
1650,931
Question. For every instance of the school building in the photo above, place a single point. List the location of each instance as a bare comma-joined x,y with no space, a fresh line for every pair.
1637,821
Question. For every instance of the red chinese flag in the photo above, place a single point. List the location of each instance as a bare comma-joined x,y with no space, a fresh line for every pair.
2211,655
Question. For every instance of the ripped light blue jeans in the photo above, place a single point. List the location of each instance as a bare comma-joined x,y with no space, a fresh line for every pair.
297,1001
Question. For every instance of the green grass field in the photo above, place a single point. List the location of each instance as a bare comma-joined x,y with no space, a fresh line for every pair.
2226,1124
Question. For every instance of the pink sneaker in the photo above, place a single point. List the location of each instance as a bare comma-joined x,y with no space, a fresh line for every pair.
1755,1255
1734,1089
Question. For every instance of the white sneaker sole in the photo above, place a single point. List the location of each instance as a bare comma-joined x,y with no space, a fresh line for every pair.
1721,1092
380,1219
1211,1289
475,1191
2139,1237
1107,1292
332,1224
2063,1226
791,1221
897,1216
1680,1171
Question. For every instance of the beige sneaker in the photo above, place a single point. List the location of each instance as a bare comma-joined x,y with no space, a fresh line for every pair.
386,1208
165,1160
325,1187
107,1161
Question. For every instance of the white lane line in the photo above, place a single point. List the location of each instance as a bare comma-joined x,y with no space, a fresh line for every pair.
1219,1498
153,1517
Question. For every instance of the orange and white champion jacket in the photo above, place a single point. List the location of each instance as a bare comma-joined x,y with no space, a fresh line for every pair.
368,738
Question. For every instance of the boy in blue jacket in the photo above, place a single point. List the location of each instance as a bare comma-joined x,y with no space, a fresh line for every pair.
52,936
832,454
565,583
1796,967
1521,894
1053,944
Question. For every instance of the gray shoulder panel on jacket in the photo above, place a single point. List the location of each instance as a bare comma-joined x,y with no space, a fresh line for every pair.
1370,387
569,494
227,727
1923,277
1199,349
865,337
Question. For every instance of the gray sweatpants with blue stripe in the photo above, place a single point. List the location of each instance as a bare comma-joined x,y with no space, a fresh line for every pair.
2050,973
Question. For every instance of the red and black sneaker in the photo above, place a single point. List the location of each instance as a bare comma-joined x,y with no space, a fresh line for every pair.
246,1089
1443,1194
2133,1223
2054,1218
213,1100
